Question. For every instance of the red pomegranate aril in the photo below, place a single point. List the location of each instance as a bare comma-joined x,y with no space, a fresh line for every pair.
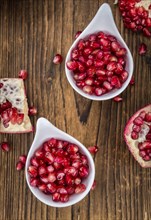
145,145
62,190
138,121
115,46
57,59
57,166
111,66
107,85
50,169
5,146
146,32
76,163
44,179
72,149
124,76
117,99
42,187
20,165
147,158
51,177
34,182
35,162
56,197
77,180
1,85
70,190
69,180
72,171
52,142
94,185
98,91
136,128
83,171
60,175
122,52
132,81
72,65
51,187
80,188
32,170
148,117
148,136
142,49
22,158
23,74
88,89
134,135
39,154
77,34
32,110
93,149
42,170
64,198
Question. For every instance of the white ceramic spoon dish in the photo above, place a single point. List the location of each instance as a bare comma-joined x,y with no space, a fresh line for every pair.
103,21
45,130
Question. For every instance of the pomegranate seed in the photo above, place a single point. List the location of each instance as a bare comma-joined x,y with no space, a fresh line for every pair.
72,149
32,170
51,187
76,163
93,185
98,91
72,171
5,146
64,198
138,121
50,168
57,166
34,161
20,165
51,177
42,170
88,89
69,180
142,49
77,180
60,175
134,135
62,190
117,99
77,34
49,157
146,32
32,111
23,158
70,190
57,59
80,188
34,182
132,82
23,74
42,187
148,117
83,171
1,85
44,179
124,76
72,65
56,197
115,46
93,149
107,85
52,142
39,154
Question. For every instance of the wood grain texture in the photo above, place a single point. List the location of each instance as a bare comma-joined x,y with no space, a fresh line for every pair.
31,32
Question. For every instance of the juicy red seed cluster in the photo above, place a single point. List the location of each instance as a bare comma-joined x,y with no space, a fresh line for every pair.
134,17
10,114
98,64
58,168
138,123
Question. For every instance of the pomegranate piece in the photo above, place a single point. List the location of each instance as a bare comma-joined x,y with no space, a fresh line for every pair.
57,59
95,60
117,99
77,34
132,81
136,15
94,185
142,49
137,135
5,146
23,74
58,169
93,149
23,158
13,107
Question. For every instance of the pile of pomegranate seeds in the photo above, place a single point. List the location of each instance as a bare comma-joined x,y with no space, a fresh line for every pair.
136,15
58,168
138,136
5,146
98,64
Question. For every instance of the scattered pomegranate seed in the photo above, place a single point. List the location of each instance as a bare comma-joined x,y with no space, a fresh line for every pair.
132,81
20,165
57,59
23,158
23,74
142,49
1,85
77,34
117,99
32,111
5,146
58,169
94,185
93,149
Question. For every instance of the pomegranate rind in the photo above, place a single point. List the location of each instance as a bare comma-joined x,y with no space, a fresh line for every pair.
26,125
132,143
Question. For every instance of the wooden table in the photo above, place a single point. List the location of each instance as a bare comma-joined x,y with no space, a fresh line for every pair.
31,33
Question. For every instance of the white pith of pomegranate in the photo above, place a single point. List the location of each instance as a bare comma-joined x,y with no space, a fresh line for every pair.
98,64
13,107
136,15
58,169
137,135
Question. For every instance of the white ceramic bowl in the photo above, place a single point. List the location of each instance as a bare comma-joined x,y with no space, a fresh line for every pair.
45,130
103,21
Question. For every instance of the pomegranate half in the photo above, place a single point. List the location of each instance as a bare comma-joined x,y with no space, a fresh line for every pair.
137,135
